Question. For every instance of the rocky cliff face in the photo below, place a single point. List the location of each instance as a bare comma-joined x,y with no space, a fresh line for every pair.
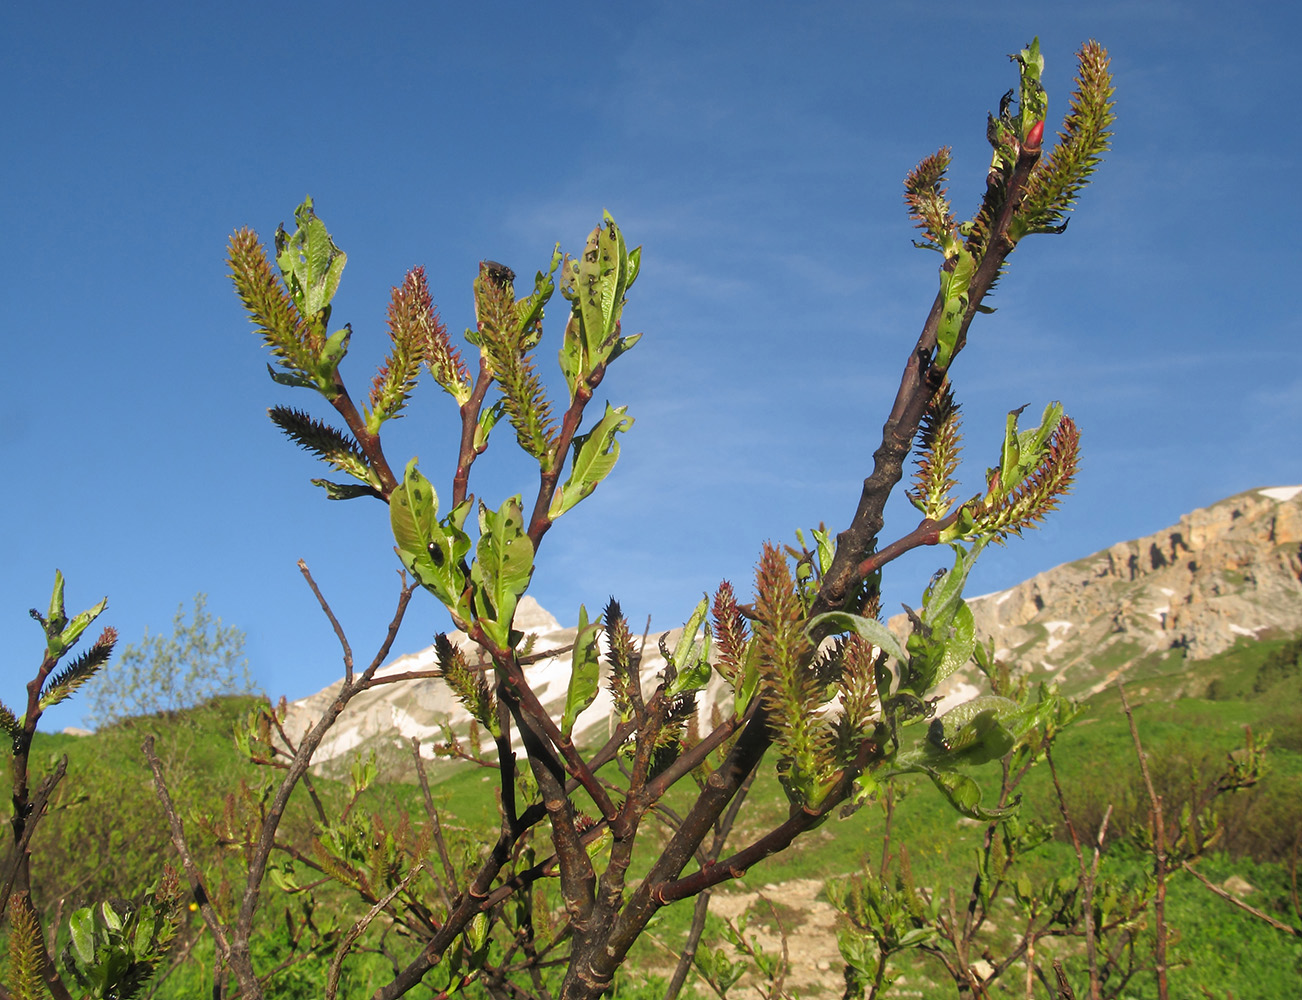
1224,572
1227,571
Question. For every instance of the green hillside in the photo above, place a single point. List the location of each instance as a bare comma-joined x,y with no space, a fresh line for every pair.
105,835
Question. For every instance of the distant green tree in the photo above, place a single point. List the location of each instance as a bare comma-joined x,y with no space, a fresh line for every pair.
201,659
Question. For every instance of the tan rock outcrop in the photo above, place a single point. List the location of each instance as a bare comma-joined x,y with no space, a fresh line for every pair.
1223,573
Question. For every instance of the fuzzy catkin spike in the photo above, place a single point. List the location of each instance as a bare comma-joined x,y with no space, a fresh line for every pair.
268,304
332,446
63,684
924,193
505,343
470,686
730,632
26,953
620,656
1084,138
791,692
9,721
410,313
414,321
939,447
1039,493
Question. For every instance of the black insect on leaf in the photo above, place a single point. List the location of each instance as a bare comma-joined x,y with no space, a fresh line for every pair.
498,274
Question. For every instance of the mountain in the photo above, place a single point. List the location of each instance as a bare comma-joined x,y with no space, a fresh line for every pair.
387,718
1223,573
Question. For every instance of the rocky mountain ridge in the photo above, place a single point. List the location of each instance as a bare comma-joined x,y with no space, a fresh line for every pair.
1224,572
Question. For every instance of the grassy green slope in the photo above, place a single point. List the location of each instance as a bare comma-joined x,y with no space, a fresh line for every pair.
106,833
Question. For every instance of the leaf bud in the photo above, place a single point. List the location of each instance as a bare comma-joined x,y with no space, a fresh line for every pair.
1034,137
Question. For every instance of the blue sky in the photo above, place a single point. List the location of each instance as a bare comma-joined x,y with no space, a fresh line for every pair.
755,150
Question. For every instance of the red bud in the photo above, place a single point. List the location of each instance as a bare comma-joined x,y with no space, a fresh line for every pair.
1033,137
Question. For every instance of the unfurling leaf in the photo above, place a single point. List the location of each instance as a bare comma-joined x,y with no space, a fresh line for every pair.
346,491
1033,102
1037,468
595,454
585,671
690,659
309,262
502,568
944,637
955,279
488,418
964,795
60,633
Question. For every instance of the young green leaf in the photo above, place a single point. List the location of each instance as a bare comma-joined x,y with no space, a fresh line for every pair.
975,732
595,286
57,616
488,418
955,279
346,491
1033,101
944,597
310,262
595,455
585,671
432,550
869,629
71,632
502,568
964,795
690,658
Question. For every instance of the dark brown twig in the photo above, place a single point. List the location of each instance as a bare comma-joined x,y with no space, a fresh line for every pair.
334,622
